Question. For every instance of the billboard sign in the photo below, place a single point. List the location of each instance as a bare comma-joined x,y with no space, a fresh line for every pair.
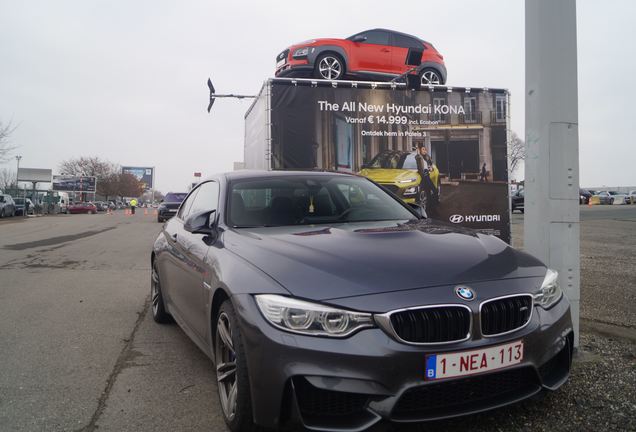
145,175
376,130
74,183
35,175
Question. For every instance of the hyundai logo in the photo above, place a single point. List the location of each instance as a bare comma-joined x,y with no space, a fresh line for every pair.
465,293
456,218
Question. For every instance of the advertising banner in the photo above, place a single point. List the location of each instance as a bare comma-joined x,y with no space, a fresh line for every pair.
146,175
444,148
35,175
74,183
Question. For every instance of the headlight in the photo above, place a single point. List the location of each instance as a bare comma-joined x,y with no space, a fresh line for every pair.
550,290
301,52
298,316
411,180
411,191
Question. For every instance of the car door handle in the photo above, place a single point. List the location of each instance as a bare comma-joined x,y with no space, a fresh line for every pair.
385,50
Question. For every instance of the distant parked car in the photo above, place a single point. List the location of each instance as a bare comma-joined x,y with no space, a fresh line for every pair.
611,197
82,207
7,206
518,201
20,206
101,206
170,205
631,197
584,196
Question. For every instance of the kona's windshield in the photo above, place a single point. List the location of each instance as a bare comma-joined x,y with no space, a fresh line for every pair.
394,160
308,200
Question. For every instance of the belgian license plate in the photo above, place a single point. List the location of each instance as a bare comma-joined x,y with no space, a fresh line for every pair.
449,365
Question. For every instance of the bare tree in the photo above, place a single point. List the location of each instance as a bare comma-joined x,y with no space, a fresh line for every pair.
105,171
6,129
516,151
129,186
7,178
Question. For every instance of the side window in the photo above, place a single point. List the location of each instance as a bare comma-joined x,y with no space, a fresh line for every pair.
207,198
184,210
406,42
376,37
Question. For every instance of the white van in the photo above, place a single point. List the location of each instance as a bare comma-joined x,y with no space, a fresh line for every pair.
63,202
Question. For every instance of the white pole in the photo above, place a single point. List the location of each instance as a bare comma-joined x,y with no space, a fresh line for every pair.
552,144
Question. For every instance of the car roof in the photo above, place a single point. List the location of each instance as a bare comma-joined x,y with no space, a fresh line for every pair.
394,32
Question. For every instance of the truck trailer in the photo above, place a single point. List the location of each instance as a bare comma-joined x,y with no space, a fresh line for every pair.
373,129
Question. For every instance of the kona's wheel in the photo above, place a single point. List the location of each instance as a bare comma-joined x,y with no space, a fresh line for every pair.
231,371
2,213
430,76
159,313
329,67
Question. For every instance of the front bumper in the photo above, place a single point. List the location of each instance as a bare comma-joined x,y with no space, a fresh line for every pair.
166,213
350,384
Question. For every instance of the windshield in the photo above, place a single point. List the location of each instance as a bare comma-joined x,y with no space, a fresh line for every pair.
308,200
394,160
175,197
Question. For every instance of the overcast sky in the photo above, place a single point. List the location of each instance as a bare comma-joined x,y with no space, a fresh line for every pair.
125,80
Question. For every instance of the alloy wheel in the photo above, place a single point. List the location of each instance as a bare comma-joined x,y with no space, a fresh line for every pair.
430,77
225,356
330,68
155,290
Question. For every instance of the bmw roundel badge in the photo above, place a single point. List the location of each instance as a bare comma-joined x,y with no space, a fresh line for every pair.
465,293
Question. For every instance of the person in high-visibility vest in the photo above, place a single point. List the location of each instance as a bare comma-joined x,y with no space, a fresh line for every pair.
133,204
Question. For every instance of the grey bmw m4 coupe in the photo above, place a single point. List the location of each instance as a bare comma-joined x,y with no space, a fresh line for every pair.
324,302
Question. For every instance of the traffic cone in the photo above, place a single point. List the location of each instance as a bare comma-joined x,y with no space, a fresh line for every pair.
145,211
156,212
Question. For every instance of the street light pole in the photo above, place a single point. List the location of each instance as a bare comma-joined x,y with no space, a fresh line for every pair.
17,173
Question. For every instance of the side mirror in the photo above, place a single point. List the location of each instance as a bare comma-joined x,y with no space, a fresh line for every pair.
200,223
419,210
359,39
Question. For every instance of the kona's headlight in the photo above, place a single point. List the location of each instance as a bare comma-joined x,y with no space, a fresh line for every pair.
301,52
410,191
550,290
411,180
313,319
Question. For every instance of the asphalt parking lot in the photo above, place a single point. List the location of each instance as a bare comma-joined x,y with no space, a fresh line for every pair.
80,351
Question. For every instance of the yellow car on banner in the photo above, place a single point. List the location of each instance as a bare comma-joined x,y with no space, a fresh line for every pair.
397,171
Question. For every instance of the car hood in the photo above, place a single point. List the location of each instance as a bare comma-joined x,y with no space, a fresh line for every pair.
323,262
386,175
319,41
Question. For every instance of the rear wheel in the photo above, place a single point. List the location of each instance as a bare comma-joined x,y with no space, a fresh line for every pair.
231,371
329,66
430,76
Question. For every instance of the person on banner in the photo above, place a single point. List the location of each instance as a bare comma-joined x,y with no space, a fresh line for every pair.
428,191
483,175
133,204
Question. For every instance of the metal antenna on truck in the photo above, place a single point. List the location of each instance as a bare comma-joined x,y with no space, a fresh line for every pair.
213,95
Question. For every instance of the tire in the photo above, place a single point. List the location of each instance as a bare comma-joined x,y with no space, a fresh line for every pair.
160,220
430,76
612,201
231,371
159,313
2,213
329,66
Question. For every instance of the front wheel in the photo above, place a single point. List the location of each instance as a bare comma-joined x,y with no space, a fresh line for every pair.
159,313
430,76
231,371
612,201
329,67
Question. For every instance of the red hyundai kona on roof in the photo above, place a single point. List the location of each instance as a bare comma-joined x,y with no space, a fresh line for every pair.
378,55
